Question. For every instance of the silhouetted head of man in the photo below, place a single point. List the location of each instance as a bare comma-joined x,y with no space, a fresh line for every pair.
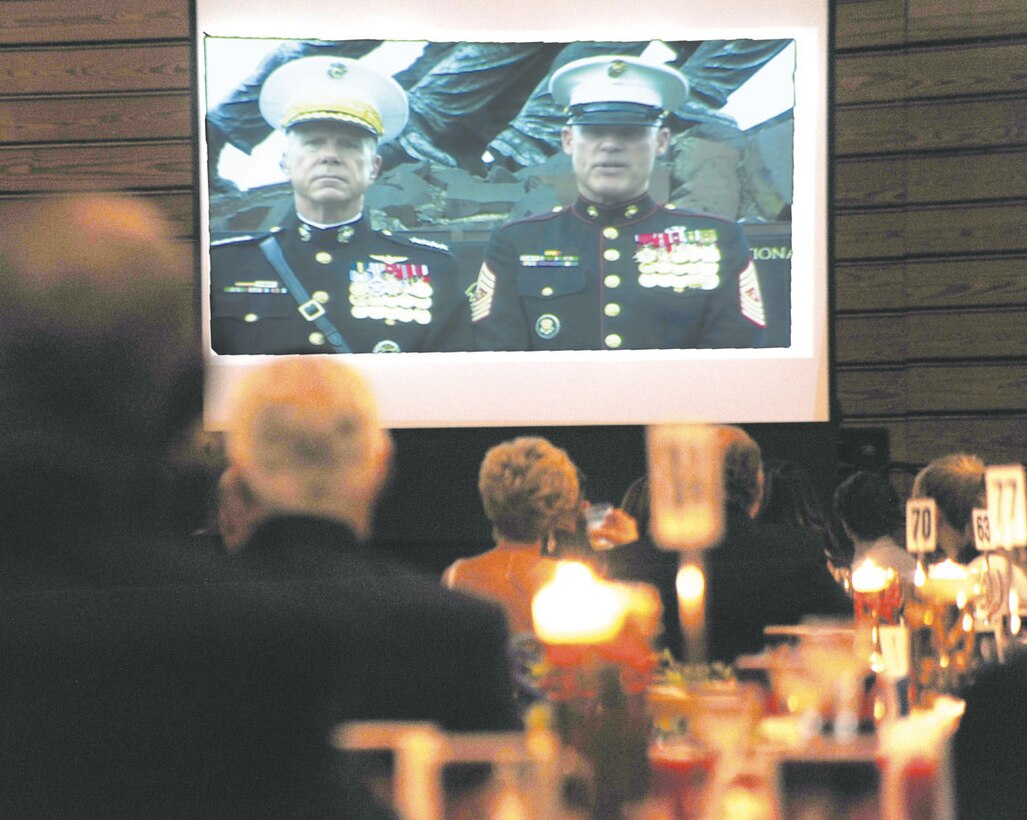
100,364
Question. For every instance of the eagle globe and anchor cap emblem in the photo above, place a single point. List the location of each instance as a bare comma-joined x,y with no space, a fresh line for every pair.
617,67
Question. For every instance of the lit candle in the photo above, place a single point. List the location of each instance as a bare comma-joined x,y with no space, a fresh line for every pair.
948,582
869,577
575,607
691,589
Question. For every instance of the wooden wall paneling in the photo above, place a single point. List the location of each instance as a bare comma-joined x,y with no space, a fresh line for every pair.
996,439
928,178
966,229
967,387
994,174
93,69
863,23
993,122
873,285
967,282
944,19
95,117
870,182
989,122
869,235
97,167
877,391
867,129
872,338
954,282
972,230
968,334
954,70
176,206
48,21
1000,439
884,390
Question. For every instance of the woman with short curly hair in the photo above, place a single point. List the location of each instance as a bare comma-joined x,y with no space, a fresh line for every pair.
527,486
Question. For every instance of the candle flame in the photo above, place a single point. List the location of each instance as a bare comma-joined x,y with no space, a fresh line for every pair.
690,583
575,607
869,576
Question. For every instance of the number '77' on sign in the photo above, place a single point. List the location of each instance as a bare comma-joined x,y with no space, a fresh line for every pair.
1006,505
921,525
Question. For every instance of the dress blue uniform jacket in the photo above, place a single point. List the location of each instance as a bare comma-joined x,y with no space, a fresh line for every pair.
630,276
383,293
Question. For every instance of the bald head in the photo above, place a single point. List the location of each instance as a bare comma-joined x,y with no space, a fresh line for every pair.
305,435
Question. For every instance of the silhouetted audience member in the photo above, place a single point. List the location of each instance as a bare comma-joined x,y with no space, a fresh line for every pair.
790,497
142,677
100,378
760,574
956,483
305,437
870,512
527,486
989,748
130,687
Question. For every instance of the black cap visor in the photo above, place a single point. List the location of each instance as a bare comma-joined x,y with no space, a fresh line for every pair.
615,113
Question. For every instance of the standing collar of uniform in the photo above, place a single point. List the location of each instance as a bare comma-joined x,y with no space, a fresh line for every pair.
294,226
622,213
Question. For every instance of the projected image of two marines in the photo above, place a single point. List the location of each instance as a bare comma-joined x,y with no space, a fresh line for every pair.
611,270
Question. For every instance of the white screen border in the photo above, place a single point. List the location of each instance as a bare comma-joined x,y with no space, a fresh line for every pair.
580,387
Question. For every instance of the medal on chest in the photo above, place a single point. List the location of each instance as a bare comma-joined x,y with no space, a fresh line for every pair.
390,289
678,258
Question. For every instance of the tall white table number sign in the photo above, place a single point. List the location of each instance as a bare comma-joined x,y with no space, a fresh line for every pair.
981,523
686,486
1007,506
921,525
686,495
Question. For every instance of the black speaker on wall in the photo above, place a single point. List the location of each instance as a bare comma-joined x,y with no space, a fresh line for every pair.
863,448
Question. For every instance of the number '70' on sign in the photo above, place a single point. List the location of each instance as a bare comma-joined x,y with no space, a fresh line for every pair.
921,525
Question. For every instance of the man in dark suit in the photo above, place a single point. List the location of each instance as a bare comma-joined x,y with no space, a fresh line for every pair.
758,575
129,688
304,435
141,677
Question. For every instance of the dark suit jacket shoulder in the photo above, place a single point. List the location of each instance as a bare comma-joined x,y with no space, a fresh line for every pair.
409,649
763,575
214,692
758,575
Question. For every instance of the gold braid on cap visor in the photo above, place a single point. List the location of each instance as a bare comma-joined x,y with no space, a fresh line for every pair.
354,111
